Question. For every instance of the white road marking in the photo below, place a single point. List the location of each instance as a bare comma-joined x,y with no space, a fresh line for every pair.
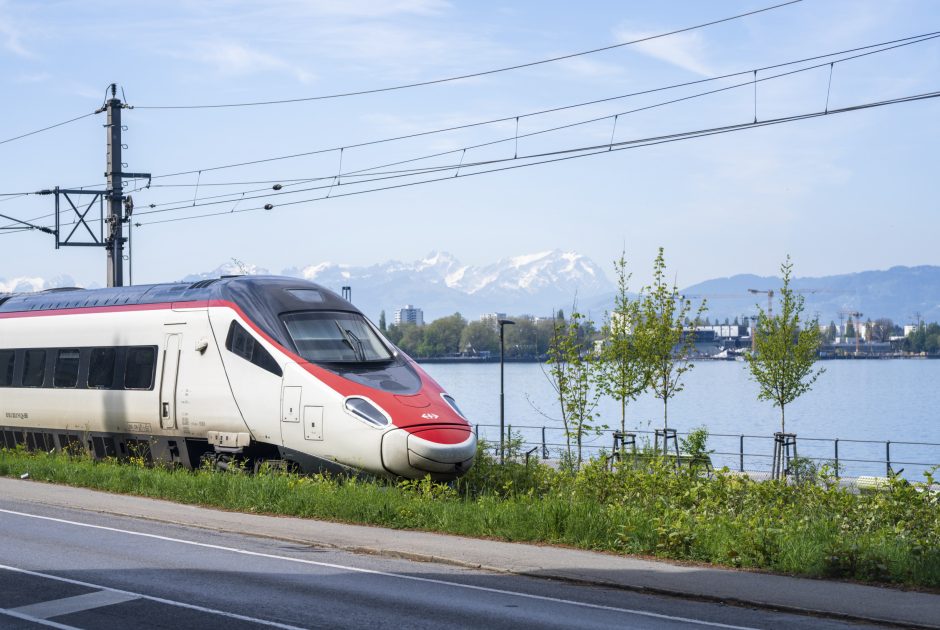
131,595
69,605
42,622
331,565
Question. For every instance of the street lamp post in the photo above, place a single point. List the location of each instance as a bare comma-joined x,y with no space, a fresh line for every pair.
502,393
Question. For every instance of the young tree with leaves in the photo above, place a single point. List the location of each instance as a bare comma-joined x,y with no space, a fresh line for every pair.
661,337
785,350
622,374
573,375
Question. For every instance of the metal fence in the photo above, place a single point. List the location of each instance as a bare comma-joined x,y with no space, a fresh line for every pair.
744,452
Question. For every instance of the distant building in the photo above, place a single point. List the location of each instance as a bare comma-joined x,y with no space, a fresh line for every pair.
409,314
723,331
492,318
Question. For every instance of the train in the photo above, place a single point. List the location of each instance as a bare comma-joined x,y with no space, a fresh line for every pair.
249,369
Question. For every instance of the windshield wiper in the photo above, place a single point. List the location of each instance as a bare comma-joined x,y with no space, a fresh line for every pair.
362,350
348,337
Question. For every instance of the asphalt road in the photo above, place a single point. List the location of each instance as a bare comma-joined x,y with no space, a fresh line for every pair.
66,568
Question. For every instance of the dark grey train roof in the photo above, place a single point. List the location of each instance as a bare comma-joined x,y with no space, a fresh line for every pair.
268,289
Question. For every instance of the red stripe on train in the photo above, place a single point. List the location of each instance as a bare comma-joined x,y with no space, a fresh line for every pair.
345,387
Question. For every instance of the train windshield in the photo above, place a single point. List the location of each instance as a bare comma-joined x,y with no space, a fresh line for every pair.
335,337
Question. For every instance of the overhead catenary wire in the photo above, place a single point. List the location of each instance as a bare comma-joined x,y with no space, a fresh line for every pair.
37,131
568,154
581,152
514,138
227,197
881,47
473,75
913,39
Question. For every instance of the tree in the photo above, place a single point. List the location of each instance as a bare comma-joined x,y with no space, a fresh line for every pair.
785,350
661,337
623,374
881,329
382,321
394,334
520,340
832,332
573,375
410,337
850,329
442,336
479,337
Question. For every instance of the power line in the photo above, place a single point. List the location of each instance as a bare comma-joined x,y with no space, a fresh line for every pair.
370,173
580,152
225,198
473,74
33,133
564,155
913,39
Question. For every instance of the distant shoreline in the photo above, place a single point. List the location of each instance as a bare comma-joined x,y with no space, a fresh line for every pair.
472,360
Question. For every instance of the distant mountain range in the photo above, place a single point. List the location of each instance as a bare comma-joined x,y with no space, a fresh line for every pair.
535,284
539,284
900,293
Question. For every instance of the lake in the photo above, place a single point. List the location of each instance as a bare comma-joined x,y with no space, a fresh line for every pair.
872,400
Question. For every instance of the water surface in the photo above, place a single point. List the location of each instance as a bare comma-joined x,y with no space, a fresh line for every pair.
884,400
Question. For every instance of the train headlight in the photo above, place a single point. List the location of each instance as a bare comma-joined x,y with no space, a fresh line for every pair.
453,405
365,410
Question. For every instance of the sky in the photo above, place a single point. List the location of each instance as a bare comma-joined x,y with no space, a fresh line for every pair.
839,193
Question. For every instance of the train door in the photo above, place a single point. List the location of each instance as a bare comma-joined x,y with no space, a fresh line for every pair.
290,412
168,381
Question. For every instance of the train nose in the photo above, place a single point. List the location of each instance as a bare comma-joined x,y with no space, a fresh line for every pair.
445,451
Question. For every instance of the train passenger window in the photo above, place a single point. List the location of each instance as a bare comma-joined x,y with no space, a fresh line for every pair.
34,368
6,367
66,368
138,373
239,341
101,368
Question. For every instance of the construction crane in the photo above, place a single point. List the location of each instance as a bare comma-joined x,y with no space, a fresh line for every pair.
770,299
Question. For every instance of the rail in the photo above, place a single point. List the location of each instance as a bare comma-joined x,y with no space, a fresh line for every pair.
743,452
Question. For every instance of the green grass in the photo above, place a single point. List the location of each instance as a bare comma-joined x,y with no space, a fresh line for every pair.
813,529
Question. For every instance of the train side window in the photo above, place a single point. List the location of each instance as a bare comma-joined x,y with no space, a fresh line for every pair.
34,368
66,368
101,368
239,341
138,371
6,367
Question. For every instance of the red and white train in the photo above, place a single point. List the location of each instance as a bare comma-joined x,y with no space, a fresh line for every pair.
264,368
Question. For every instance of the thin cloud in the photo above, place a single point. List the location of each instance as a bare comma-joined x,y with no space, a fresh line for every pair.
683,50
590,68
373,8
234,59
11,36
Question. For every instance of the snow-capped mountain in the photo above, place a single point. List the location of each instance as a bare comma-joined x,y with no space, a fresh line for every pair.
538,284
440,285
30,284
234,267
